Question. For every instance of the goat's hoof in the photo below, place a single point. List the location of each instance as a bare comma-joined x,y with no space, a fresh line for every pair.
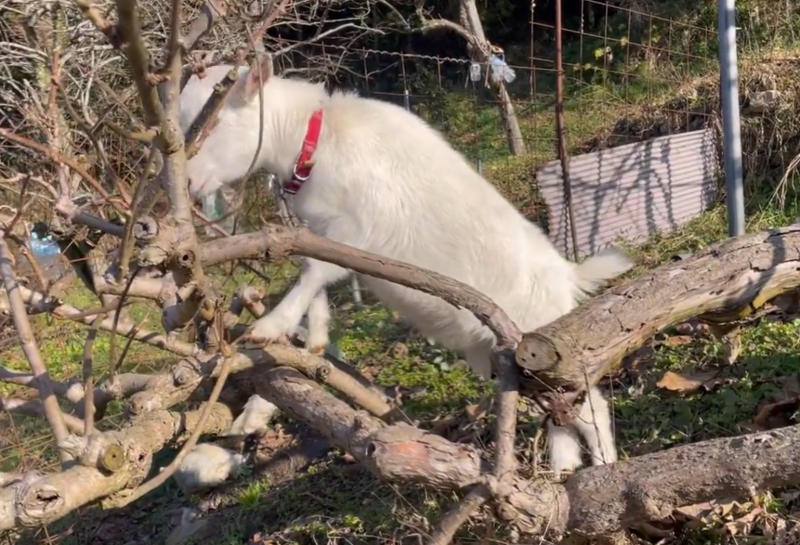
564,474
318,350
250,340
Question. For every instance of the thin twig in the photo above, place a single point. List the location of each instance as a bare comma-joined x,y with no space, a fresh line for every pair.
49,402
112,352
61,160
88,386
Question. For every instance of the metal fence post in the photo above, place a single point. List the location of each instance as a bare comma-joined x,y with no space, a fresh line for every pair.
731,123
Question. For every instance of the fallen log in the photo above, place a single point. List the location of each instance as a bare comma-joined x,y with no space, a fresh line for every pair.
724,283
595,502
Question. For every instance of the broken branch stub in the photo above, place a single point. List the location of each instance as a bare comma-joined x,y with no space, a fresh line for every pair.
726,282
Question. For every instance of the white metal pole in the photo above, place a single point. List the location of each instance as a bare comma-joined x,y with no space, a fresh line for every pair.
731,122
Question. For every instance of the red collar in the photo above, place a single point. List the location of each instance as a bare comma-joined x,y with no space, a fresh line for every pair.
302,168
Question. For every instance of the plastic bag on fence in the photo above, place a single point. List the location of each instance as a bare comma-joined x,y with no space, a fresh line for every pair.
499,68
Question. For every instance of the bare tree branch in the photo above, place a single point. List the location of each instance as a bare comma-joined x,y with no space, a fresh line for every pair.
139,61
35,409
55,157
40,500
277,241
49,402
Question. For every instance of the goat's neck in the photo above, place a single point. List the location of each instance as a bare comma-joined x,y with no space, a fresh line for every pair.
287,130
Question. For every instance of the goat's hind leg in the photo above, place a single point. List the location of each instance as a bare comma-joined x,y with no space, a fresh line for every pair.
593,424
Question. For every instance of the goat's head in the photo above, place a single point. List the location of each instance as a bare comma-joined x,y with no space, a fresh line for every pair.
231,144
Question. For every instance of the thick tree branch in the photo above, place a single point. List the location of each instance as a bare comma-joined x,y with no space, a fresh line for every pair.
594,502
182,379
726,282
172,143
277,241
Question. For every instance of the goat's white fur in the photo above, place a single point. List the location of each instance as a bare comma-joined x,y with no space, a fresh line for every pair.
385,182
256,414
208,465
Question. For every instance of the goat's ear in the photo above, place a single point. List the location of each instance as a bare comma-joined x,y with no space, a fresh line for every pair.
260,72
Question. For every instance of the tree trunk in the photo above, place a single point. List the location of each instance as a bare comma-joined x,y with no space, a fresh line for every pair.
516,143
470,20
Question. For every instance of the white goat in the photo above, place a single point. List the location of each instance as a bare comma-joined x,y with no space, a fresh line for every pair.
385,182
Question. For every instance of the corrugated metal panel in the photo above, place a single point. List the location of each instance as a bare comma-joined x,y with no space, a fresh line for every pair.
631,191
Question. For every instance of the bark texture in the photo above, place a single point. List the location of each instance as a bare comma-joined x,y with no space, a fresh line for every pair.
724,283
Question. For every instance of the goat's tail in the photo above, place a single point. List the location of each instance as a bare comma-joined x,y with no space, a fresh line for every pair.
600,268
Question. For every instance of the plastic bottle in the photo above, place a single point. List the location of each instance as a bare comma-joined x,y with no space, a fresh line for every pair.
500,69
475,72
43,247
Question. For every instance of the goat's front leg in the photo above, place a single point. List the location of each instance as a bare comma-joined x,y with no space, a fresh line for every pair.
284,318
319,317
564,448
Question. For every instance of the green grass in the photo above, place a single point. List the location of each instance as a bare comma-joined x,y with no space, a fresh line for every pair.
651,419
